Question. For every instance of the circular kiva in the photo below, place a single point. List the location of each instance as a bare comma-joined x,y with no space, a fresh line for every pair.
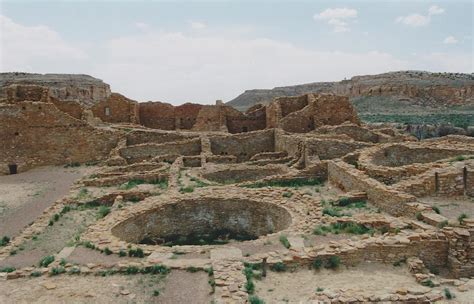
210,216
203,221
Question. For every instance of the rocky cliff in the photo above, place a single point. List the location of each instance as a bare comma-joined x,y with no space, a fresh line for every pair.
417,88
83,89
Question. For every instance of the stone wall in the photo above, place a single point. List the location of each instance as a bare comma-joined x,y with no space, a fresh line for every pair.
117,109
244,145
348,178
157,115
304,113
142,152
154,136
38,133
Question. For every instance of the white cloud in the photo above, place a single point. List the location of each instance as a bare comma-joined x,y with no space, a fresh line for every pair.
200,66
435,10
336,16
179,67
450,40
34,48
414,20
195,25
142,26
417,20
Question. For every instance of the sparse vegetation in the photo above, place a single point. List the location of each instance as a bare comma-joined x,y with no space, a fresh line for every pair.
442,224
342,227
4,241
7,269
448,294
45,261
284,241
138,253
278,267
317,263
334,262
436,209
287,194
103,211
255,300
57,270
461,218
292,183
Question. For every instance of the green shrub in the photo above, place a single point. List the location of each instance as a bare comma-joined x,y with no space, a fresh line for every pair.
428,283
291,183
103,211
156,269
442,224
192,269
75,270
56,217
333,211
255,300
131,184
36,274
448,294
287,194
284,241
344,201
317,263
62,262
4,241
138,253
45,261
156,292
418,216
122,253
462,217
132,270
334,262
436,209
250,286
319,289
278,267
187,189
7,269
57,270
107,251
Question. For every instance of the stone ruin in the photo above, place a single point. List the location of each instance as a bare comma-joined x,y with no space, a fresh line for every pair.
196,179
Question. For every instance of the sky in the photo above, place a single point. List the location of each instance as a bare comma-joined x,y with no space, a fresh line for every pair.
202,51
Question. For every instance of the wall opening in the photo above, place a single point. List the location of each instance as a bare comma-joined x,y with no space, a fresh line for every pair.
13,168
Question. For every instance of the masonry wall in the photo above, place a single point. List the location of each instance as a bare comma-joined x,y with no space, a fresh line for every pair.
391,201
186,115
157,115
245,145
332,148
148,151
152,136
117,109
72,108
37,133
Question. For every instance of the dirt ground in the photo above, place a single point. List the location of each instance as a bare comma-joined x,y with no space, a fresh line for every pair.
452,207
299,286
176,287
24,196
52,240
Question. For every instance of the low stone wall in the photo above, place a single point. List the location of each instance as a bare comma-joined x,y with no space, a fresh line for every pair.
142,152
391,201
244,145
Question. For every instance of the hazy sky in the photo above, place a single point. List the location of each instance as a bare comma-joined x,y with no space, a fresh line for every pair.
179,51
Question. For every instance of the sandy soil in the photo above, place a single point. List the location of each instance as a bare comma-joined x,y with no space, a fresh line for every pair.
294,287
452,207
80,289
176,287
53,239
185,287
24,196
